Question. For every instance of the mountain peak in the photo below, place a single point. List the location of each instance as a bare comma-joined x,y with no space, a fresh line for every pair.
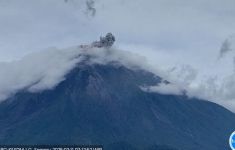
46,69
104,104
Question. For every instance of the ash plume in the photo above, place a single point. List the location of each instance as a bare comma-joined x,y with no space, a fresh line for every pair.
90,8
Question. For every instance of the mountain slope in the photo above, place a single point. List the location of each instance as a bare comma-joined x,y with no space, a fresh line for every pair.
103,104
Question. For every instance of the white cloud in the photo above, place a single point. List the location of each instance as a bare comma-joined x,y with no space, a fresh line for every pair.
163,88
37,71
45,69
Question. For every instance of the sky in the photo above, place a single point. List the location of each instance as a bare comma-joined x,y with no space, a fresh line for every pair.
191,40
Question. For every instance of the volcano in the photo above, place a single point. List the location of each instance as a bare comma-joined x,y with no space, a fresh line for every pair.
103,104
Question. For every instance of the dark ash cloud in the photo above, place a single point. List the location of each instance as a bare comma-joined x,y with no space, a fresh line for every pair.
225,47
90,8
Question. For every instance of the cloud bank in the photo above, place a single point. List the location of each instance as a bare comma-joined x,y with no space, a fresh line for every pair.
45,69
37,71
